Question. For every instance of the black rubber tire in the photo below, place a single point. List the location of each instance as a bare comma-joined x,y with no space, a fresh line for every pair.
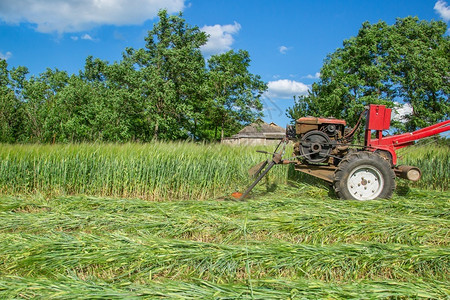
349,182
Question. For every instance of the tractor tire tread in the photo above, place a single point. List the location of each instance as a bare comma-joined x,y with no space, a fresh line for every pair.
353,160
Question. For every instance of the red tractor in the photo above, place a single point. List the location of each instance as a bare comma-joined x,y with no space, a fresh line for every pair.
322,148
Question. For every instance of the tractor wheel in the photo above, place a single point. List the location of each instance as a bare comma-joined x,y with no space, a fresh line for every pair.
364,176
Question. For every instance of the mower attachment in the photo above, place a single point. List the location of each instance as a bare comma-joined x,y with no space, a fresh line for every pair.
260,170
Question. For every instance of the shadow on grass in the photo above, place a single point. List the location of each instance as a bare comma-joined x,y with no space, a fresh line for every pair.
403,188
298,177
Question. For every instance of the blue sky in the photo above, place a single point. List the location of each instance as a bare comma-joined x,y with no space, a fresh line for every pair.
287,40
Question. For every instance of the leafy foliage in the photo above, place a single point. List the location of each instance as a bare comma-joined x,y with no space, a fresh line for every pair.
235,91
163,91
408,62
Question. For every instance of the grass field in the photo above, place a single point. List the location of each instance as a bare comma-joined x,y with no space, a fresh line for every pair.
67,231
161,171
288,243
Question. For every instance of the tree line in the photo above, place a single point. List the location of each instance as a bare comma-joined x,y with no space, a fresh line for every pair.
169,91
166,90
405,63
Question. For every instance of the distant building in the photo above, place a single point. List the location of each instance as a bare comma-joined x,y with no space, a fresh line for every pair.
258,133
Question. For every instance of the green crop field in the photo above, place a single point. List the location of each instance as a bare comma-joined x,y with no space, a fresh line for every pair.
153,221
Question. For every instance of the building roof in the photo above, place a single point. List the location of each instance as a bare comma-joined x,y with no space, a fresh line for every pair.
261,129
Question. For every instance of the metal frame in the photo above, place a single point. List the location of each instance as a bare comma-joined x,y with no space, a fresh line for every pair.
379,118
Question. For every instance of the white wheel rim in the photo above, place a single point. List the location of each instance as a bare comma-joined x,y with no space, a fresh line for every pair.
365,183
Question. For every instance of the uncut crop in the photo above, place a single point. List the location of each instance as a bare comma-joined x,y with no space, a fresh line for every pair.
163,170
151,171
432,160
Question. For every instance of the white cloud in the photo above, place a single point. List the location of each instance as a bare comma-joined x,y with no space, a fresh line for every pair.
443,10
5,56
315,76
87,37
401,112
78,15
220,37
286,89
284,49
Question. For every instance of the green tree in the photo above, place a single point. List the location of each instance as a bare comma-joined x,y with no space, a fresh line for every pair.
10,106
408,62
172,70
71,113
234,92
118,102
38,96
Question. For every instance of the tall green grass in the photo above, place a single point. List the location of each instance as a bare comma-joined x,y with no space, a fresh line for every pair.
434,162
151,171
176,170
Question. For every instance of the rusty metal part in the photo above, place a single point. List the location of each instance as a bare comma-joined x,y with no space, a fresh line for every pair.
408,172
319,121
236,195
321,171
349,136
258,179
333,127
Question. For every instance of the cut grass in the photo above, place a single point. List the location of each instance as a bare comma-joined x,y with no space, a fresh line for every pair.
118,255
74,288
291,215
279,244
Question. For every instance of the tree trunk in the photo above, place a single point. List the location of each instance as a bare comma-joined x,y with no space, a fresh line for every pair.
221,136
155,135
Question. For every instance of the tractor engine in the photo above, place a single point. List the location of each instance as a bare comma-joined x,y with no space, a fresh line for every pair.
317,138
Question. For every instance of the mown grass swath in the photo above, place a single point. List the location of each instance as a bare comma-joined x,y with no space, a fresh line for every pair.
160,170
299,215
287,244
